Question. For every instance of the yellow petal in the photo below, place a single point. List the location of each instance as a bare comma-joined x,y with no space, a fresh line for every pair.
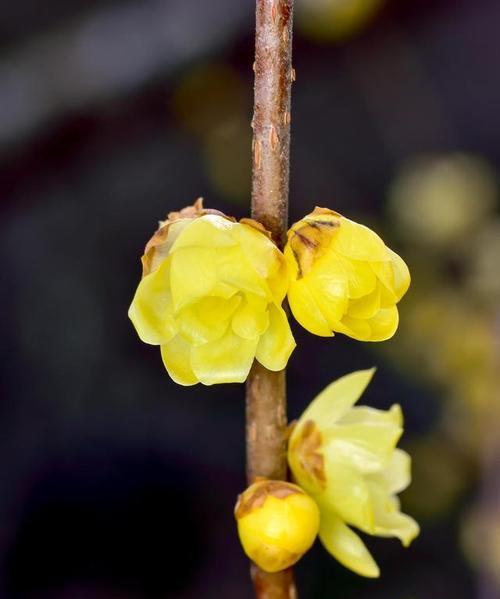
359,242
367,306
354,327
328,284
226,360
224,290
277,343
332,311
176,358
233,269
259,250
367,415
384,272
397,476
291,262
346,546
251,318
402,277
305,310
348,494
387,298
384,324
151,310
207,319
192,275
159,246
337,399
368,447
278,282
389,521
360,276
208,231
394,276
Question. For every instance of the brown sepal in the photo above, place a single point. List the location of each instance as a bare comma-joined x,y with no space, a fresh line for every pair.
256,225
160,235
195,211
308,445
318,211
254,498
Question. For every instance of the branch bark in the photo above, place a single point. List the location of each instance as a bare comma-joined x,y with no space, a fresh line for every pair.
266,394
271,118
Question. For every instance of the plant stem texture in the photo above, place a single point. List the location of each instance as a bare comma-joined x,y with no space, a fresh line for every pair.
266,391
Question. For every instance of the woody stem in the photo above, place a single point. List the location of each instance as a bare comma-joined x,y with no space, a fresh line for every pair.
266,396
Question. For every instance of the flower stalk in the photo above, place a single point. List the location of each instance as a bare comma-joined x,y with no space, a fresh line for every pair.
266,390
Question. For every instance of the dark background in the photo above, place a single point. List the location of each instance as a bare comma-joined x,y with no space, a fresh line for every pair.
117,483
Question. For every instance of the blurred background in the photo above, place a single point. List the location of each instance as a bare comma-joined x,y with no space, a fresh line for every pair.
117,483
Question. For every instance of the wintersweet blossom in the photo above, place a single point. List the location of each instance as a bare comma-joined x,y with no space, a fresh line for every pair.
344,278
211,296
277,523
345,457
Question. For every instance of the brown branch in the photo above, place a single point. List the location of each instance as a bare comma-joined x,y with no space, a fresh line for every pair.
266,399
271,119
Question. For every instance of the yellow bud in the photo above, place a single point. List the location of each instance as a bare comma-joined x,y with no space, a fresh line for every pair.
277,523
343,278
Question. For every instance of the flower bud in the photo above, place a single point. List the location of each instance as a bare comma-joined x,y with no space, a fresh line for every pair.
277,523
344,279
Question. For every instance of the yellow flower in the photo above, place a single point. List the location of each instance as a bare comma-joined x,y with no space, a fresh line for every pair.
211,297
344,278
345,457
277,523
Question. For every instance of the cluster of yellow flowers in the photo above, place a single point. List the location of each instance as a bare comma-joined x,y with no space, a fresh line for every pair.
345,459
212,290
211,297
